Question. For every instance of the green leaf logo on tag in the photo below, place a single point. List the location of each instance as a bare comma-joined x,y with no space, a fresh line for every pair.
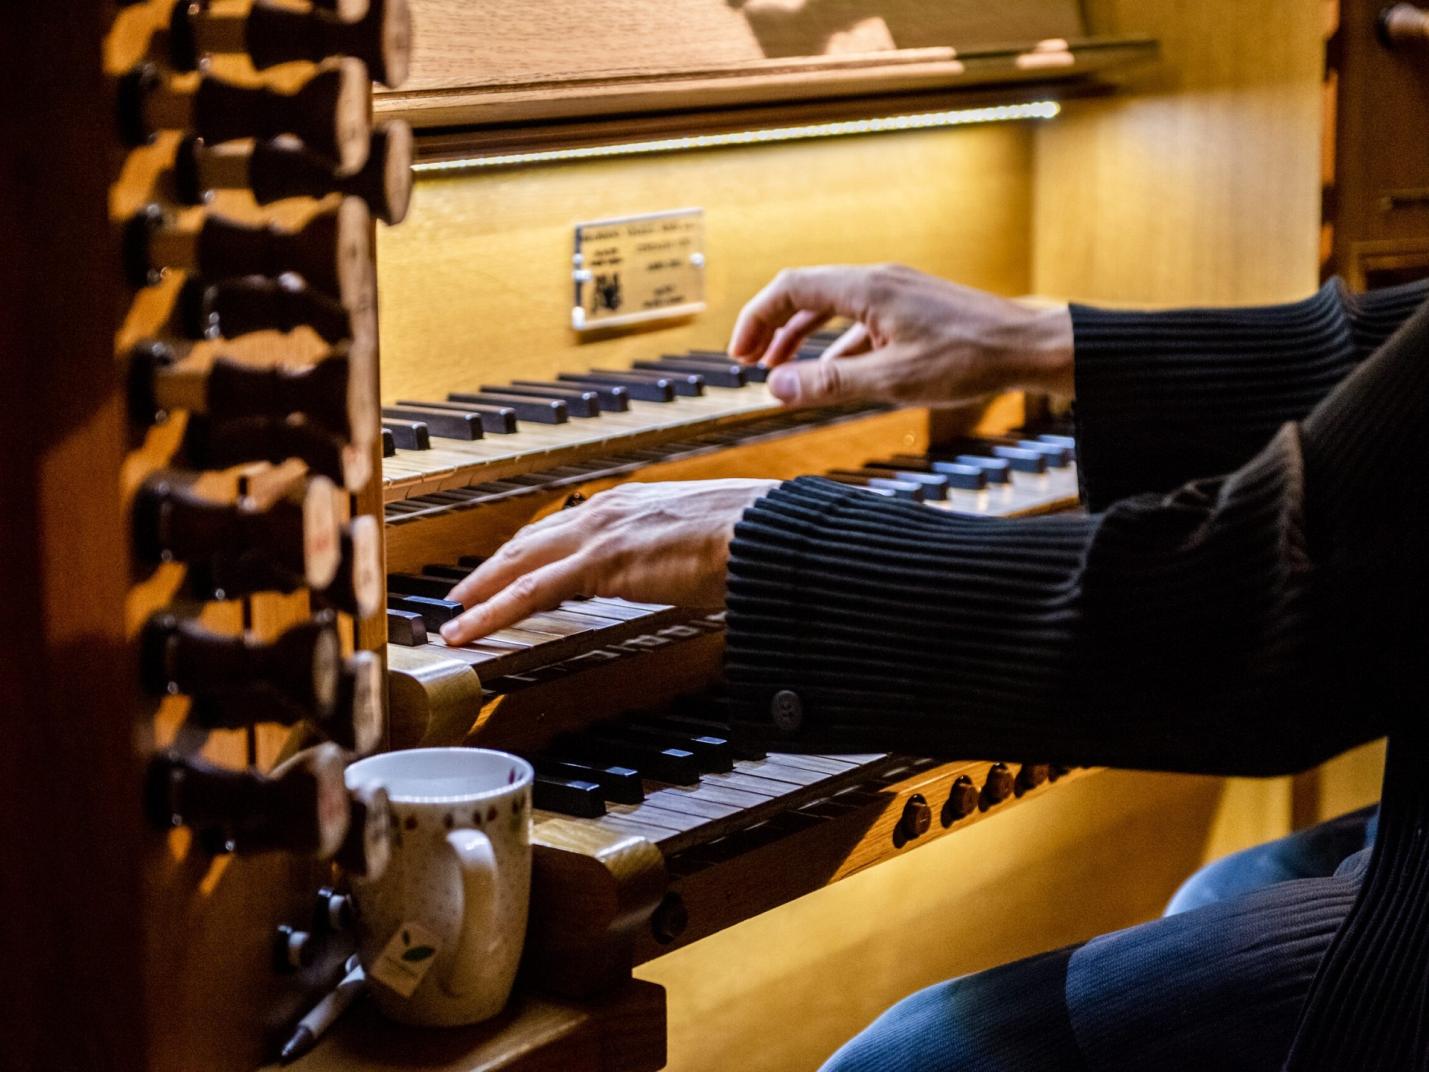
406,958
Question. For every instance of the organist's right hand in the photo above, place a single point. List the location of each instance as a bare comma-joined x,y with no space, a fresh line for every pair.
915,340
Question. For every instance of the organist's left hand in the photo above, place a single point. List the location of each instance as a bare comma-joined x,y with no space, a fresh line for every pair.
652,543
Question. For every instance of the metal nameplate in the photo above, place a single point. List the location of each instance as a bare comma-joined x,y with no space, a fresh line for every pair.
632,269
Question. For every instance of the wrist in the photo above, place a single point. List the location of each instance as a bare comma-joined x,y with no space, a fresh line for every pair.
1036,349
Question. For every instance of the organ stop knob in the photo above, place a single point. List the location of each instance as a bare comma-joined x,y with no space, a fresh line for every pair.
236,680
239,545
328,112
301,807
230,308
331,251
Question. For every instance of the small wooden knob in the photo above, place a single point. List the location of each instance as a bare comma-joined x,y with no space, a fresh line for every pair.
232,308
328,112
240,547
962,800
1404,24
359,721
917,818
301,807
1030,776
238,681
999,784
367,849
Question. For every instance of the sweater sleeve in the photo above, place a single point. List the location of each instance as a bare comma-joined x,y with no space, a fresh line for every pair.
1166,396
1254,623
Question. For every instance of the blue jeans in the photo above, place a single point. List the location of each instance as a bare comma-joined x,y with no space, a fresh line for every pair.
1215,984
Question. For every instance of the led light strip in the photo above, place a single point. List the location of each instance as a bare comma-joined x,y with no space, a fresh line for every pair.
1004,113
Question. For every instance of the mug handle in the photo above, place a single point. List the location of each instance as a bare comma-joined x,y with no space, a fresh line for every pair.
477,863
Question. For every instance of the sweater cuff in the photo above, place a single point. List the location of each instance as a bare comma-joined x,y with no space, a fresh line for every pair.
854,622
1168,396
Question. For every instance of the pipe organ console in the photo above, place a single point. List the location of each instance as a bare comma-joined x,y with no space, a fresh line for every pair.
280,506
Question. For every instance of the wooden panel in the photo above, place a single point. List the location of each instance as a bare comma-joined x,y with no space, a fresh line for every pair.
1201,187
68,773
529,60
475,285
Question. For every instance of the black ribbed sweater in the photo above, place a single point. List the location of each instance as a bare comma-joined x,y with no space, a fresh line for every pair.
1250,623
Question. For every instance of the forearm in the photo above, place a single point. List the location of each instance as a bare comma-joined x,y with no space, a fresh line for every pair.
1163,397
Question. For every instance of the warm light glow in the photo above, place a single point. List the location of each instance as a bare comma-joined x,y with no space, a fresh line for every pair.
1003,113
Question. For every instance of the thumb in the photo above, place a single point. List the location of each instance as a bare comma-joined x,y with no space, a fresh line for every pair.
821,382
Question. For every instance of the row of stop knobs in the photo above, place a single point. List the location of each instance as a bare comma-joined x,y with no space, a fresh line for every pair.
965,797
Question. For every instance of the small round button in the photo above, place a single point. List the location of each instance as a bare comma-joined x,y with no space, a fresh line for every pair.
1030,776
999,784
293,949
787,710
917,817
669,919
962,800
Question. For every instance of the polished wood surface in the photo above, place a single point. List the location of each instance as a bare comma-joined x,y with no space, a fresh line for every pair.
622,1032
530,62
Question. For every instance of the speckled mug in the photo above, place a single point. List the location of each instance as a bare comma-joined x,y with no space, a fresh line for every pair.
460,871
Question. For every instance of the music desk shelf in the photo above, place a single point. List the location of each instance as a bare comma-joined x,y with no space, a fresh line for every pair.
621,1032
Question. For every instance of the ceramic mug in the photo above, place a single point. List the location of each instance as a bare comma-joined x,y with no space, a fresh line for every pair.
440,932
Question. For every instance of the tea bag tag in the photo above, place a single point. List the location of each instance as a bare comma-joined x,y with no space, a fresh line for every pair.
406,958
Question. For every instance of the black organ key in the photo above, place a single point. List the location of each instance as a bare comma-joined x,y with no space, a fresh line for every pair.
231,308
271,34
211,445
411,584
690,384
997,470
408,435
712,753
541,411
1069,442
709,727
678,766
389,443
1058,457
331,251
569,796
238,680
621,785
445,424
280,169
726,375
451,574
470,561
579,403
500,420
301,807
328,113
900,489
1020,458
935,485
612,398
291,543
436,612
718,358
406,627
337,392
640,388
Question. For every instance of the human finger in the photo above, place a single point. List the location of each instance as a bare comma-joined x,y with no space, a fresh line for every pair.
853,341
825,291
542,589
534,546
817,383
785,343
